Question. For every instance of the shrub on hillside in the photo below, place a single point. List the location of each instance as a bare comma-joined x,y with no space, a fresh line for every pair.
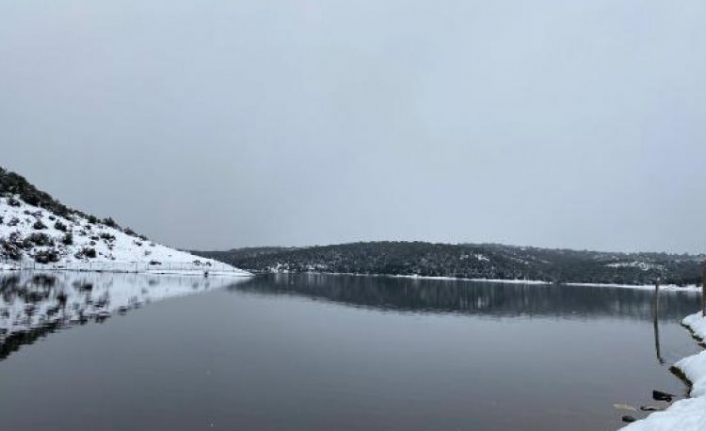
38,239
47,256
38,225
13,222
92,219
107,237
110,222
60,226
68,239
86,252
13,202
12,247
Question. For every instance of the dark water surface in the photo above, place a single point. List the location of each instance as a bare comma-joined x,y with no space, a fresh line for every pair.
331,353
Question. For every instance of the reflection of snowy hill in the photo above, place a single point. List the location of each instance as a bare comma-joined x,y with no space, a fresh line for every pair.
31,301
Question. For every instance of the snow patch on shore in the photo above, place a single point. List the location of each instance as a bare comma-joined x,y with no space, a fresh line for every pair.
685,415
688,414
662,287
694,367
643,266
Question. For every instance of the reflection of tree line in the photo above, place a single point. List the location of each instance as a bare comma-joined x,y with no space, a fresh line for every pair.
491,299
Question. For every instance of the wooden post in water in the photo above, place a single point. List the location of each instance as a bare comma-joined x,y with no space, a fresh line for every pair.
655,322
658,349
655,316
656,299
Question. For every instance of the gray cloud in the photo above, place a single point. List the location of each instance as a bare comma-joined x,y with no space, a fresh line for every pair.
221,124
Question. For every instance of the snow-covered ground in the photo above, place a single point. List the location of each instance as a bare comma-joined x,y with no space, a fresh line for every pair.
662,287
31,300
688,414
643,266
81,245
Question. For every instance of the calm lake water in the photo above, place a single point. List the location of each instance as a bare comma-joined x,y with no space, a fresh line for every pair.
314,352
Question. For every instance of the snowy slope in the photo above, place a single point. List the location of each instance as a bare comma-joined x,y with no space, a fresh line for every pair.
35,238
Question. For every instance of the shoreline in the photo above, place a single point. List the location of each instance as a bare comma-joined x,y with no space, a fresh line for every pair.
688,414
243,273
184,272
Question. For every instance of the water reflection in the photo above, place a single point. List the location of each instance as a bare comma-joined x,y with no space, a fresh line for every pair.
279,353
658,348
33,305
486,299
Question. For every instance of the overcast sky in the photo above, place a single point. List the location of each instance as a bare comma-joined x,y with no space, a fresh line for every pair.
220,124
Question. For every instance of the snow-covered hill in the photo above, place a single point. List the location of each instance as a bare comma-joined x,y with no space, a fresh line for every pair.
34,237
37,237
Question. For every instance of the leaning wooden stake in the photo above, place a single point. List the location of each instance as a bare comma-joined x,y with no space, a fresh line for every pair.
655,321
655,316
658,349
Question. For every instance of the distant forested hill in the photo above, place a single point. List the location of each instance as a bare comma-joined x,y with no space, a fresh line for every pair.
491,261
